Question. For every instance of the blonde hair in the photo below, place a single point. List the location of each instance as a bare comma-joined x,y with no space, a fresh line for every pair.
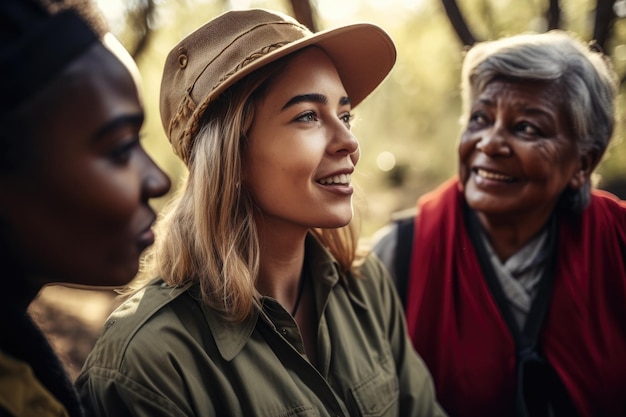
208,234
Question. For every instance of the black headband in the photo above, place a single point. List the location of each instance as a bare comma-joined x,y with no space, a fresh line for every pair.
28,63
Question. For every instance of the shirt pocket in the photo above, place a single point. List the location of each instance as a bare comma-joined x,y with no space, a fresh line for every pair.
377,395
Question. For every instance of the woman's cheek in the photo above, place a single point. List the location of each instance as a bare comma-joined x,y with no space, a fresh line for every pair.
464,153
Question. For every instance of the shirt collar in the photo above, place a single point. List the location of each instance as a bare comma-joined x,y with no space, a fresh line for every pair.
231,337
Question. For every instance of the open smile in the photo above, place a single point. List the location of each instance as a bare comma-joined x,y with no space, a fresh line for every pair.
492,176
343,179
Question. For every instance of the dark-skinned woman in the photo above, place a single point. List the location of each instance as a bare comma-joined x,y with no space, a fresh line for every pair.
513,273
75,182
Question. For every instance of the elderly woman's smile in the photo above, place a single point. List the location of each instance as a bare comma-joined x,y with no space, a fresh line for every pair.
485,175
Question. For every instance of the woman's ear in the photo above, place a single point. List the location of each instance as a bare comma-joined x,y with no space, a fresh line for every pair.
588,162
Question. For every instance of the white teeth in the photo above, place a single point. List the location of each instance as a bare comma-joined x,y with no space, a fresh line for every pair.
492,175
343,179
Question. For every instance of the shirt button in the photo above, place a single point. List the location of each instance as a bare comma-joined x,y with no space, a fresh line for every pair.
283,331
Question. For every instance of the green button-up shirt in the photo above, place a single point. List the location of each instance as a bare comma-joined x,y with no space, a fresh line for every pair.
164,353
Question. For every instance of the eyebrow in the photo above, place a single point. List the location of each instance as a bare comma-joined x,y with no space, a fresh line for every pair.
524,109
315,98
111,126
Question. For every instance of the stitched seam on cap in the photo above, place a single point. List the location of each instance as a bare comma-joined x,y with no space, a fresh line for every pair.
250,58
192,127
301,27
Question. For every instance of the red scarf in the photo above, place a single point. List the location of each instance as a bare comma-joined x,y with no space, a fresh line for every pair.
457,327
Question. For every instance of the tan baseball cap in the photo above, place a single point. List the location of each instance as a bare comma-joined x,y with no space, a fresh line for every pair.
234,44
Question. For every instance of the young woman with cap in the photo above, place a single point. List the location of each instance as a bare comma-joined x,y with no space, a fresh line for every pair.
74,182
259,309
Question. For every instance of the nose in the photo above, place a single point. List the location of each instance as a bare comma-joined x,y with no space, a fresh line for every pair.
344,142
493,142
155,182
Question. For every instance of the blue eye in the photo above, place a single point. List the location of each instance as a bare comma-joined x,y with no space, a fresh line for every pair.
309,116
346,118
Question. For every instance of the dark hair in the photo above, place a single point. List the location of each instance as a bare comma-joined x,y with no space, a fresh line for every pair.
38,40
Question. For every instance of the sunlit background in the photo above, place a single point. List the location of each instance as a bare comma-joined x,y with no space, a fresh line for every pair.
408,128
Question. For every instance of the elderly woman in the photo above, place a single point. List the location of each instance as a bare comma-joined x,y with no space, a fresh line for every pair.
514,273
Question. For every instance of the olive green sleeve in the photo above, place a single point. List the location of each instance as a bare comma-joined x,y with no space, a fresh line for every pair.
107,393
417,393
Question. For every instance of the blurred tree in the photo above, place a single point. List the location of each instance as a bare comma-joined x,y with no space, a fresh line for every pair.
458,22
554,15
141,14
139,17
603,22
602,27
303,12
415,114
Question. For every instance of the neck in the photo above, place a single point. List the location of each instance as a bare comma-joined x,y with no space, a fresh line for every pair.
282,258
508,235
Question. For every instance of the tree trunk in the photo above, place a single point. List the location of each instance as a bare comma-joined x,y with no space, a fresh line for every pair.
458,22
603,22
554,15
303,12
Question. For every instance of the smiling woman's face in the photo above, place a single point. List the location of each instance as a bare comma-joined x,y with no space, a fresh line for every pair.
301,153
518,154
77,211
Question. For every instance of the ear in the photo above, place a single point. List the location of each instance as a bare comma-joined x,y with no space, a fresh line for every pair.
588,162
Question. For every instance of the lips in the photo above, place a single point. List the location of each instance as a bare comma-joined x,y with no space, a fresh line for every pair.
146,238
493,176
341,179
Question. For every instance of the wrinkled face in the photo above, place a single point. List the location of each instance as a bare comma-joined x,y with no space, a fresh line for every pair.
517,153
79,214
301,152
